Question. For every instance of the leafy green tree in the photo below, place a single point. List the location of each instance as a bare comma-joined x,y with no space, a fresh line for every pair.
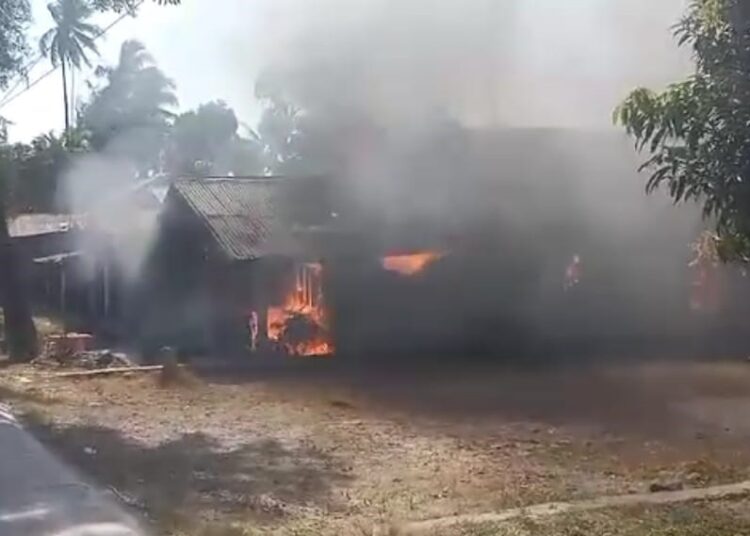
695,133
3,130
35,169
129,6
244,155
281,133
299,141
130,114
206,141
20,333
69,41
15,16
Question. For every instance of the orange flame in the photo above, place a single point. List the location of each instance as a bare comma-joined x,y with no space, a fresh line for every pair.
300,325
410,265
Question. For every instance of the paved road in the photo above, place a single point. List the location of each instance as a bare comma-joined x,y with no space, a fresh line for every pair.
40,496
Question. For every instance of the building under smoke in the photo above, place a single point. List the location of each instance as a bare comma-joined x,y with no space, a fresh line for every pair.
465,252
228,273
459,242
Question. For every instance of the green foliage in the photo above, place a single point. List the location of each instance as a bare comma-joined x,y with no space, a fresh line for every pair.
127,6
129,114
206,141
15,16
32,171
3,130
72,37
696,131
280,130
69,41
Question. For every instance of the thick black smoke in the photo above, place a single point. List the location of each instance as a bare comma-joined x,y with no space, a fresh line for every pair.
483,129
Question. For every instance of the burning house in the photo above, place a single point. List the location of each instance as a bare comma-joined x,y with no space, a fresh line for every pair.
282,265
229,273
266,265
517,242
503,245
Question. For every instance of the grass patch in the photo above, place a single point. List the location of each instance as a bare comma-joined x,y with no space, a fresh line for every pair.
684,520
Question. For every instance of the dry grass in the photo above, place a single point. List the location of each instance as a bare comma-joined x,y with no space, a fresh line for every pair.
325,454
684,520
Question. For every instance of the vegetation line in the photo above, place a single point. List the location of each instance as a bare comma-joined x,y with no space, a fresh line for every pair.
730,491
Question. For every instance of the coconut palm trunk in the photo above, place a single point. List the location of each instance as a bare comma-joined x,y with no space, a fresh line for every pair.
68,41
65,96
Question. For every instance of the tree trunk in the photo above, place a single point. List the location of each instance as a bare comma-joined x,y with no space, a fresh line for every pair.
20,333
72,107
65,97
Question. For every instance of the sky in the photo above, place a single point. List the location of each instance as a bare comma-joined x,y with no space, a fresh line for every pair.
565,63
189,42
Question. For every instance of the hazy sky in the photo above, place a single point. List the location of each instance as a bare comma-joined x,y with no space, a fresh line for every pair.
560,62
192,44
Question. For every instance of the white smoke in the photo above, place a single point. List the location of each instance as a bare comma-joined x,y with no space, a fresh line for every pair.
529,87
408,65
485,62
119,224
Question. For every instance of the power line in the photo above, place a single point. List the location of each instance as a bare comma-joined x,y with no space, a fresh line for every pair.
26,70
28,88
10,98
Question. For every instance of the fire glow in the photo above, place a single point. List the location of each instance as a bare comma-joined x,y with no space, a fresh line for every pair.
300,325
410,265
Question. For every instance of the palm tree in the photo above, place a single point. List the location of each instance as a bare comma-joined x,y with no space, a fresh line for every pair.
135,93
131,111
67,43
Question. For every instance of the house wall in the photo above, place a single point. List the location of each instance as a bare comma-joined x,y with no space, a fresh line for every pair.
192,297
84,289
29,248
170,303
509,303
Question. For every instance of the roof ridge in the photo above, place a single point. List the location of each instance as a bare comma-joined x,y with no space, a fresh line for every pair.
228,178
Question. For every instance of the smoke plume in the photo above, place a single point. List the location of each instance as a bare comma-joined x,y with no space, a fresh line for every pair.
103,188
490,122
484,62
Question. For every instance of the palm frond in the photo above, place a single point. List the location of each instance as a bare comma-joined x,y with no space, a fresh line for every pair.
133,56
80,54
85,41
45,42
72,36
55,56
89,29
55,13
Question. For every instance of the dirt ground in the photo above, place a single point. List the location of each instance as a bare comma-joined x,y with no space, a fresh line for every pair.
314,451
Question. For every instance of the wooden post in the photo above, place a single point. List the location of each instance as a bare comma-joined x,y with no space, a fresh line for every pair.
262,324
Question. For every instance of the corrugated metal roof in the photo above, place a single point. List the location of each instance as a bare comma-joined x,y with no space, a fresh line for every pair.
26,225
241,214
